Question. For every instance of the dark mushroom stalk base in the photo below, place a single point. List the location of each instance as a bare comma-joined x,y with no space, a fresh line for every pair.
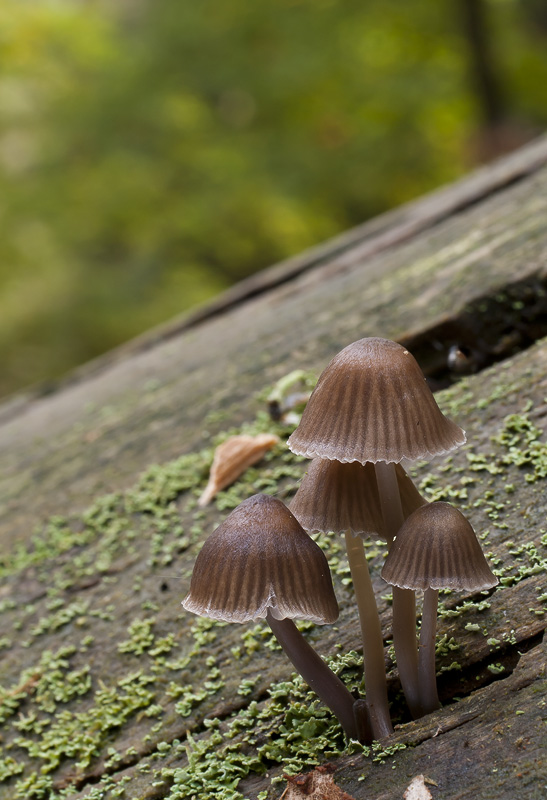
404,600
351,714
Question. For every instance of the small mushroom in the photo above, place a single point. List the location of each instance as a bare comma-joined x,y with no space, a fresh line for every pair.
436,548
372,403
340,497
334,496
260,563
232,458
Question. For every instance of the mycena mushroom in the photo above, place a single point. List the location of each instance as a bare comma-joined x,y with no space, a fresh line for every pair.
372,403
260,563
344,498
436,548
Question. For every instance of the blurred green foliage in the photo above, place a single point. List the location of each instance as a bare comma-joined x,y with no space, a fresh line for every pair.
152,152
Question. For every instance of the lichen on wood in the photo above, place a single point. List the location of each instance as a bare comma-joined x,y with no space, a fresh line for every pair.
110,690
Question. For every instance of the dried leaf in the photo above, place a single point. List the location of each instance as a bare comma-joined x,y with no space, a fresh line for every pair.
232,458
316,785
417,790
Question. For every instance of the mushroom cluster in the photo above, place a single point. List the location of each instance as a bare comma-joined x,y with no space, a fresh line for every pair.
370,410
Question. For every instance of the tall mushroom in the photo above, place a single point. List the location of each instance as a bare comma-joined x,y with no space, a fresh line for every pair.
260,563
372,403
344,498
436,548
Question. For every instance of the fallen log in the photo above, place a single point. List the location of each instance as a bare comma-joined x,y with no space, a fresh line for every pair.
109,689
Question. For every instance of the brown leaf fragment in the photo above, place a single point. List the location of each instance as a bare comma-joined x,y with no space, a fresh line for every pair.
232,458
27,687
316,785
417,790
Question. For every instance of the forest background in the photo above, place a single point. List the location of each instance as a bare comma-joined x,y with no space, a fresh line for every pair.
153,152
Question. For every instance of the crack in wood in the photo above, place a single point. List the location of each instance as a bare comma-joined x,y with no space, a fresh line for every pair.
406,732
492,328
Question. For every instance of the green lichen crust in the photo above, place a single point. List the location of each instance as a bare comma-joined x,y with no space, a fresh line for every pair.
109,689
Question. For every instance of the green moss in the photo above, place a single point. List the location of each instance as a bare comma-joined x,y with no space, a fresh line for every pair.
247,686
221,758
47,730
446,645
464,607
141,637
381,752
80,736
60,618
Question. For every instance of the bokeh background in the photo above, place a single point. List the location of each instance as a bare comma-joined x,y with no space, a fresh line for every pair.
153,152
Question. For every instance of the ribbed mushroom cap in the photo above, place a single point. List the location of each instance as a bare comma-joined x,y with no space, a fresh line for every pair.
372,403
436,548
258,560
338,497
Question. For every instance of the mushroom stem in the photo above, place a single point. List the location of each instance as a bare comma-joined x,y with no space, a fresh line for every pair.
362,721
404,600
373,643
426,653
390,499
319,677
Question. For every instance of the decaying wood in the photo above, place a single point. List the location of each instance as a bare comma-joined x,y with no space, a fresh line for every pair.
100,525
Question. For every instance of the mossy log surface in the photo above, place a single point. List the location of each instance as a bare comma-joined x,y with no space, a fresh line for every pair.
108,689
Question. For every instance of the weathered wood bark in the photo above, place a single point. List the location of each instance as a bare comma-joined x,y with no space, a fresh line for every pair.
103,674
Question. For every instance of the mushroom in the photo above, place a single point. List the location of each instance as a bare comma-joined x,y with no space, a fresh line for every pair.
372,403
436,548
339,497
344,498
260,563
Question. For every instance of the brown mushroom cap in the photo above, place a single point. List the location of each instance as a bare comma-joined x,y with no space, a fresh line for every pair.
258,560
436,548
334,496
372,403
